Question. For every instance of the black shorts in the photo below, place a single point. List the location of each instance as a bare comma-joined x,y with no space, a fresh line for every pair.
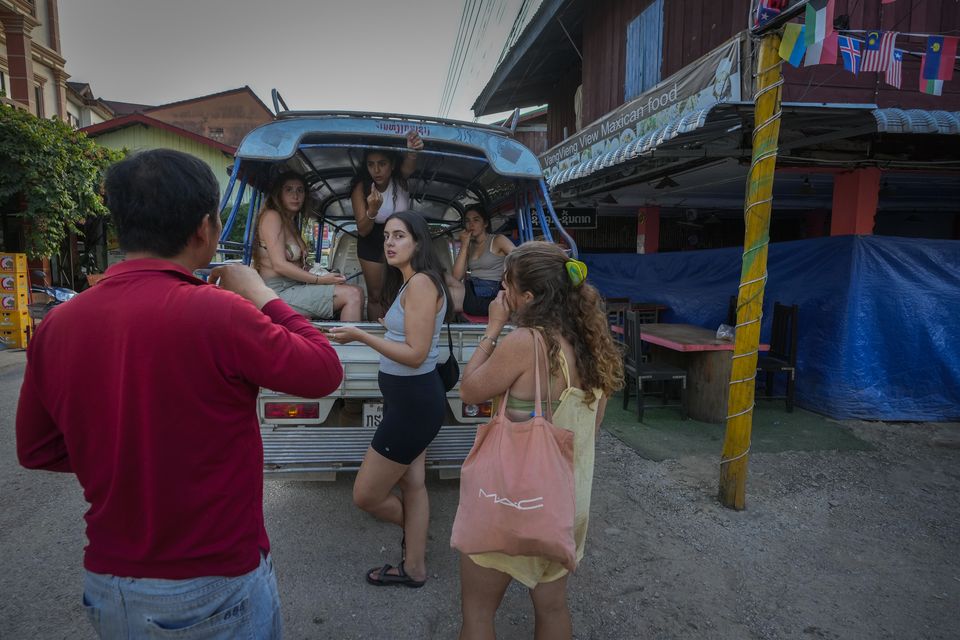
370,246
413,410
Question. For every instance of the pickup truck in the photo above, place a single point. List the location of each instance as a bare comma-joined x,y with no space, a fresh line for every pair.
461,163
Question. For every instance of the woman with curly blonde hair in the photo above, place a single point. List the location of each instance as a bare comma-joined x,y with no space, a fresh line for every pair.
546,297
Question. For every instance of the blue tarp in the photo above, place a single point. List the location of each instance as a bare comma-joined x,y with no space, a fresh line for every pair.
879,325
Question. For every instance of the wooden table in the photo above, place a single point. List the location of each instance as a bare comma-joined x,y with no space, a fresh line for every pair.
708,363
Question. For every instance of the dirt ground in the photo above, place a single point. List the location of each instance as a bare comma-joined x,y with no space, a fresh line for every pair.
832,545
850,544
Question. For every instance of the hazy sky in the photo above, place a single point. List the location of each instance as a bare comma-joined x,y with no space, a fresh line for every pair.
372,55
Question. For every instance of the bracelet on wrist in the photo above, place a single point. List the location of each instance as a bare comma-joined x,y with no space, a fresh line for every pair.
493,341
480,347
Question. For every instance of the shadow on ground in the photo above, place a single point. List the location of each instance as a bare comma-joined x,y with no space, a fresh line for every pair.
664,436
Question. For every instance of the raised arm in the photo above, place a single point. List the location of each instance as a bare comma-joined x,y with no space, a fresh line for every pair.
365,210
460,264
414,143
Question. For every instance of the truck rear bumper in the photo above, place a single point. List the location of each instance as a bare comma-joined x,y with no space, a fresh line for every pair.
300,452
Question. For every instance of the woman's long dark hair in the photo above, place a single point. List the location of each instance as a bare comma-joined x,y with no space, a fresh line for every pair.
396,175
424,260
482,212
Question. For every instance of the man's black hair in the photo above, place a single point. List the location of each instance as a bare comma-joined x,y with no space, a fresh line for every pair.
158,198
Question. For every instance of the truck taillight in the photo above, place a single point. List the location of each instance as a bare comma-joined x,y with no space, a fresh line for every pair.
289,410
482,410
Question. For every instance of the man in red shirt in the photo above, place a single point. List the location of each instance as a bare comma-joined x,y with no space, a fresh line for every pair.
145,387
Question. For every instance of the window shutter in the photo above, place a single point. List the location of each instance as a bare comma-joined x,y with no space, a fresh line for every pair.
644,51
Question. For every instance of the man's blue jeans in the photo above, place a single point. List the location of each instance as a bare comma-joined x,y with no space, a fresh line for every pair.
246,606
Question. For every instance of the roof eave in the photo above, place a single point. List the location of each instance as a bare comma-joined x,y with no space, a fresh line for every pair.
531,34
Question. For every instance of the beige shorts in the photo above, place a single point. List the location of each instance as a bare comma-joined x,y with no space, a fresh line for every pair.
313,300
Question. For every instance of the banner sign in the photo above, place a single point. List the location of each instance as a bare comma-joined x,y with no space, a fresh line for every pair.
712,79
570,218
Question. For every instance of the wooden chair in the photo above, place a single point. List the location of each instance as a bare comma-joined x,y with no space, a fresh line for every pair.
634,368
615,308
782,357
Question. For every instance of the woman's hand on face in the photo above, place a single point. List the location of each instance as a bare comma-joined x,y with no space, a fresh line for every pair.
499,313
343,335
414,142
374,200
465,237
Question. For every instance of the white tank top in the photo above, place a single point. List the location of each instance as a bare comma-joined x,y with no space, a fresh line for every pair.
390,204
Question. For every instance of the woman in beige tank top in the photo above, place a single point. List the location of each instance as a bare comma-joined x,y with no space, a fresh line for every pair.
280,255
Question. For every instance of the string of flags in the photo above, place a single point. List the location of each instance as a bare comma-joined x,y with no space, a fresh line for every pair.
815,42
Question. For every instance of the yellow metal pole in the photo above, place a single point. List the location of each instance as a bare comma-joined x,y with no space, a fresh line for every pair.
753,274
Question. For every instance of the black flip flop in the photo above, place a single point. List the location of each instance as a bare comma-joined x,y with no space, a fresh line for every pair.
393,580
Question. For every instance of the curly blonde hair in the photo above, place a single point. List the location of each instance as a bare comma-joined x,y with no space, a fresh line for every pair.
561,309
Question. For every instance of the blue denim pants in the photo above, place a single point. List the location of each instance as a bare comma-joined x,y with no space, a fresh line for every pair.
246,606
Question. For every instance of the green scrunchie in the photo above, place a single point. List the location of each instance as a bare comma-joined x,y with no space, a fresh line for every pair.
577,271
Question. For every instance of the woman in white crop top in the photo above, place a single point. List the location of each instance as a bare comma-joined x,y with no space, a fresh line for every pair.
379,191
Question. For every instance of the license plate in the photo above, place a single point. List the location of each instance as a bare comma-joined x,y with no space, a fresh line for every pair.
372,414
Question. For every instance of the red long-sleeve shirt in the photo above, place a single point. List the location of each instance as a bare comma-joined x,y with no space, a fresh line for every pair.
145,387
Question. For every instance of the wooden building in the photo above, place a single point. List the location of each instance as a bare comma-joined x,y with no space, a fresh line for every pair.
650,113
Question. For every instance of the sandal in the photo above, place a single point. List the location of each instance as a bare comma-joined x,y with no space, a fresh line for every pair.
393,579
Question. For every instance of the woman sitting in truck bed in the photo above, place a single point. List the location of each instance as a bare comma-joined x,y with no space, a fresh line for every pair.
479,264
280,255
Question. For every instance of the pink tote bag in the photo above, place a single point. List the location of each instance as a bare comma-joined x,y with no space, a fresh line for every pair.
517,488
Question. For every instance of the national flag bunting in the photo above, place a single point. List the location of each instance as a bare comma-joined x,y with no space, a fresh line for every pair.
823,52
792,46
849,53
766,14
819,21
940,58
878,50
933,87
895,70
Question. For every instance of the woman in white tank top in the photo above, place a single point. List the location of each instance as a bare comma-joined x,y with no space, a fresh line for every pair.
378,192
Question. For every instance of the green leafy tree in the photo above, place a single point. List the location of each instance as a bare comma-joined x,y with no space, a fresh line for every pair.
57,173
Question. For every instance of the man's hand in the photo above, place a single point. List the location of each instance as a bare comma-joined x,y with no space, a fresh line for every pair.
243,281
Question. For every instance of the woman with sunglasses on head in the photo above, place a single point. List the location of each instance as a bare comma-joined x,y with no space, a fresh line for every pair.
413,394
377,192
546,298
280,255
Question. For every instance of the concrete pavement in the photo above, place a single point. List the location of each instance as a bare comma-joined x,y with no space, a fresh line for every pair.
12,358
